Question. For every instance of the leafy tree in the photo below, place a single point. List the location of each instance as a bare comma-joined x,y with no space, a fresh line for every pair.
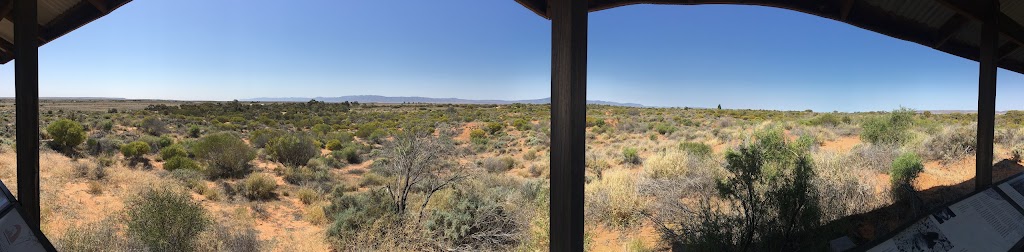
66,134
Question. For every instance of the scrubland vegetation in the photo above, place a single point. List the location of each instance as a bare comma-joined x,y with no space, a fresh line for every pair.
241,176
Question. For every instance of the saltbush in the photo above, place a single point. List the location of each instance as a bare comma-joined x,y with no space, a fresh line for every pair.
334,144
153,126
905,170
891,129
172,151
696,149
257,186
293,149
498,164
225,154
630,156
181,162
135,150
166,220
260,138
66,134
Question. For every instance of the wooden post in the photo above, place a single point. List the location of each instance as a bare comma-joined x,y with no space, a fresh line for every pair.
987,93
26,92
568,117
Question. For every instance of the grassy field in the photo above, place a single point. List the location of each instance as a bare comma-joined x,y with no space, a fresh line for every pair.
243,176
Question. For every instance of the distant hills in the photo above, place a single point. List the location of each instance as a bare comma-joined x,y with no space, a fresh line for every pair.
417,99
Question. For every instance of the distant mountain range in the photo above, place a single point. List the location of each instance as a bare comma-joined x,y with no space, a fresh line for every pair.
416,99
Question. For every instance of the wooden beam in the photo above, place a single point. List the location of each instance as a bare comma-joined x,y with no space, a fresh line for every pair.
568,122
26,92
975,10
100,5
845,10
950,28
986,93
1006,50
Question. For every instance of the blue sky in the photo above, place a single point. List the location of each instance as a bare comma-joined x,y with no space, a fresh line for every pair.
698,56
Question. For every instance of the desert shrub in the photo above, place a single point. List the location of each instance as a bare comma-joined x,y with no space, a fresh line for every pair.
293,149
102,145
107,125
191,178
594,164
475,222
260,138
498,164
377,136
614,200
1016,153
225,154
194,131
595,122
530,155
172,151
321,129
257,186
134,150
875,157
494,127
152,141
103,235
307,195
667,164
828,119
153,126
521,124
664,129
696,149
905,169
891,129
351,213
765,198
365,130
952,143
231,237
350,154
334,145
630,156
477,133
307,175
181,162
66,134
166,220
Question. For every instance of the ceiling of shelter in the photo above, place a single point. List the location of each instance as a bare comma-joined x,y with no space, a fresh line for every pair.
951,26
55,18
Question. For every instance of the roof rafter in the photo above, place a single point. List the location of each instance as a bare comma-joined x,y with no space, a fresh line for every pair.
1007,26
950,28
846,8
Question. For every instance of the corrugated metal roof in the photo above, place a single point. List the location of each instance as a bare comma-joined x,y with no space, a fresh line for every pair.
56,18
950,26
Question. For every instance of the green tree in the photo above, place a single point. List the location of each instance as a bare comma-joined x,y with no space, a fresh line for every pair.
66,134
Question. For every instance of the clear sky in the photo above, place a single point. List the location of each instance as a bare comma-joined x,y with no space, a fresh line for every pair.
698,56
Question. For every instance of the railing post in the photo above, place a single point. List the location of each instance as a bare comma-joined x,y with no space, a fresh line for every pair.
987,94
568,117
26,97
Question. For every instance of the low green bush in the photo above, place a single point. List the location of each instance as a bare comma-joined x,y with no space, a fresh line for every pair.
172,151
498,164
905,169
135,150
181,162
166,220
225,154
630,156
696,149
293,149
257,186
891,129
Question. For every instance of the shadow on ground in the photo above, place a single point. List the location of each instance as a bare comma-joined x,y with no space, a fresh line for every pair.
866,227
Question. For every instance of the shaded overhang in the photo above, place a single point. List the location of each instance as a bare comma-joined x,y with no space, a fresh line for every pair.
55,18
951,26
